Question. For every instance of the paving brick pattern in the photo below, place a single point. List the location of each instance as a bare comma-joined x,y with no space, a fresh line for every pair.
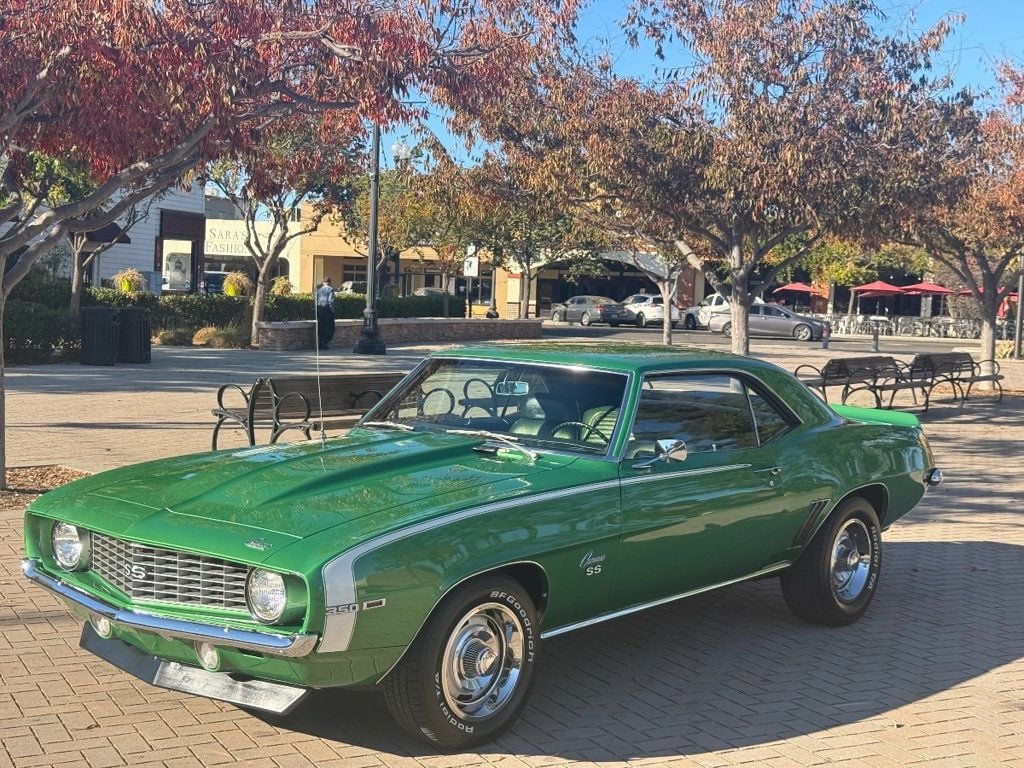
932,676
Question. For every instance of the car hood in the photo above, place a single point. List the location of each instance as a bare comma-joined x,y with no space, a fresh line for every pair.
271,496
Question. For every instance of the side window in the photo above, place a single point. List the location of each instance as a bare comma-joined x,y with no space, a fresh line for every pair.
772,312
710,413
755,310
769,421
657,300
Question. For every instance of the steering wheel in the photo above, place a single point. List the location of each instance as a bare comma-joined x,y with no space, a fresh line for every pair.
588,430
426,396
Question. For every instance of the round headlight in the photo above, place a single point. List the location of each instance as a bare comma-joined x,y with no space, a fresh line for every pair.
70,546
266,595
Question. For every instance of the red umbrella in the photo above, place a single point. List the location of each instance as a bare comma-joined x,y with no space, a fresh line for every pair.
879,287
926,289
798,287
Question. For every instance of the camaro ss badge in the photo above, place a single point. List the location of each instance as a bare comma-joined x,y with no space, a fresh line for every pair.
591,563
135,572
258,544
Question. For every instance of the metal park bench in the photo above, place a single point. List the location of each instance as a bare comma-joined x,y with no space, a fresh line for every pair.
284,403
881,375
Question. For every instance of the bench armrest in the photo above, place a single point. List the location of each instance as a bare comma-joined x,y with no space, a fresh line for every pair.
809,367
981,364
278,401
246,395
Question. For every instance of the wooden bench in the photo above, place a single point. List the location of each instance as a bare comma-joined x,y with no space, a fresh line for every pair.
283,403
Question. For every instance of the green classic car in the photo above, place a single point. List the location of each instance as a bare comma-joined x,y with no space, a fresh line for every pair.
499,495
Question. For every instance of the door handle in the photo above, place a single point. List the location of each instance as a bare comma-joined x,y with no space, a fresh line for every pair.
770,471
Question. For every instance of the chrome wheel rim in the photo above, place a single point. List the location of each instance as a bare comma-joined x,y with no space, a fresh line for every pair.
482,662
852,555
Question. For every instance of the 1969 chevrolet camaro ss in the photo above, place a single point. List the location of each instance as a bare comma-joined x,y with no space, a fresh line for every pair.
497,496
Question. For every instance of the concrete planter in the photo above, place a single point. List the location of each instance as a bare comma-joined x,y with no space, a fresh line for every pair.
301,334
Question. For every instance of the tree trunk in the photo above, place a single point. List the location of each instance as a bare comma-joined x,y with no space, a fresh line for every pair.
524,309
76,282
667,295
444,296
259,300
739,302
989,307
3,393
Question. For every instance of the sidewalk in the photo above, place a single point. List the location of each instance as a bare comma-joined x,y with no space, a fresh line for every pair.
96,418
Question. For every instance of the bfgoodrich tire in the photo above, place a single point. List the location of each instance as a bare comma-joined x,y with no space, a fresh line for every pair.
466,677
835,578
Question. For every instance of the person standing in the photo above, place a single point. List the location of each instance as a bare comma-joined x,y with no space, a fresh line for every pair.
325,313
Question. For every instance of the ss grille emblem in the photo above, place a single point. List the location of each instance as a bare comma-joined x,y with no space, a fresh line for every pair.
134,572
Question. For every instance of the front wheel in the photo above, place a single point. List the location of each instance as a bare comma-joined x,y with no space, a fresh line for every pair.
834,579
586,320
727,330
690,323
465,678
803,333
557,316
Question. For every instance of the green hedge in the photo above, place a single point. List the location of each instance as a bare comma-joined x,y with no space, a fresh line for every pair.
37,323
299,306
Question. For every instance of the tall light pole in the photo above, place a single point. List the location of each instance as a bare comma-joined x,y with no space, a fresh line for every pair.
370,341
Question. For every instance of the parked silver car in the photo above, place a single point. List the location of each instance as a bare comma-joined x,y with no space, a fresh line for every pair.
772,320
649,308
591,309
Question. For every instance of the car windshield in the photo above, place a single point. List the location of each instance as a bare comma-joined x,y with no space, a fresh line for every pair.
553,407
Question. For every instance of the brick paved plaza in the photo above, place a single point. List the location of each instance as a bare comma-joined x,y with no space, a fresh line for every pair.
933,676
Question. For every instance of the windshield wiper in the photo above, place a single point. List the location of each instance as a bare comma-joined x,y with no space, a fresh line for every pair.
388,425
508,441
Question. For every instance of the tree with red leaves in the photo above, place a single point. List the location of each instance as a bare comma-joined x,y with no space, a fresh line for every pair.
143,92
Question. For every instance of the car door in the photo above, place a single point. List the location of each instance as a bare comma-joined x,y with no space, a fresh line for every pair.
719,515
756,322
572,309
776,322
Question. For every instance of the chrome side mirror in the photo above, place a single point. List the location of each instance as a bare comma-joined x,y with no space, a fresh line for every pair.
664,450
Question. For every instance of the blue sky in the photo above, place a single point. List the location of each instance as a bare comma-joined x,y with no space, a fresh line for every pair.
992,31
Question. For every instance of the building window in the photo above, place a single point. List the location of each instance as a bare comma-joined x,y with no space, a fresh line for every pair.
177,265
353,272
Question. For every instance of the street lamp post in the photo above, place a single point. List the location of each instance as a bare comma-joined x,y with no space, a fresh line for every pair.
370,341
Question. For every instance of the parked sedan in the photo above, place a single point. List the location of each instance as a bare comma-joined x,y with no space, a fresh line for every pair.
591,309
649,309
772,320
497,496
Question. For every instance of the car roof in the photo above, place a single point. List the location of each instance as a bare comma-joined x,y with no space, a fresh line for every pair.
625,357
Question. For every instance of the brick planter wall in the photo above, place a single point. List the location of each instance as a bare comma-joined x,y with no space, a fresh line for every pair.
301,334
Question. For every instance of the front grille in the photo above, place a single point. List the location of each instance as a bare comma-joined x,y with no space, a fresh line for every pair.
150,573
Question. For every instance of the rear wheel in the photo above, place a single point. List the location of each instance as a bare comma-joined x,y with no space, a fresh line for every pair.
675,323
641,321
727,330
690,323
586,320
803,333
465,678
834,579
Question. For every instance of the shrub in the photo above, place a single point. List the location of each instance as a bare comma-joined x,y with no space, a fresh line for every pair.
281,286
237,283
179,337
34,331
232,336
202,337
40,287
129,281
176,311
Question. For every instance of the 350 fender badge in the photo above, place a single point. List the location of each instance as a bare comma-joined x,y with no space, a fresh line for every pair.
258,544
334,610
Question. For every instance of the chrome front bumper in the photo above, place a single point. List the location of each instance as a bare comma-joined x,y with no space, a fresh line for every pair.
289,646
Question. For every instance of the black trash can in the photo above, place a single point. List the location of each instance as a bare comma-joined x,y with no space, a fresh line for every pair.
136,336
100,335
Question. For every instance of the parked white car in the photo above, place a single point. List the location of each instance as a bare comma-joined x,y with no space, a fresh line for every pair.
700,315
649,309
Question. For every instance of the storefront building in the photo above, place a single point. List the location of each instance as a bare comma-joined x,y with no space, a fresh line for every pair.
226,251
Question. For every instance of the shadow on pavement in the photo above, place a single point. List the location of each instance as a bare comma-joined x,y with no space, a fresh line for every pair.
734,668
